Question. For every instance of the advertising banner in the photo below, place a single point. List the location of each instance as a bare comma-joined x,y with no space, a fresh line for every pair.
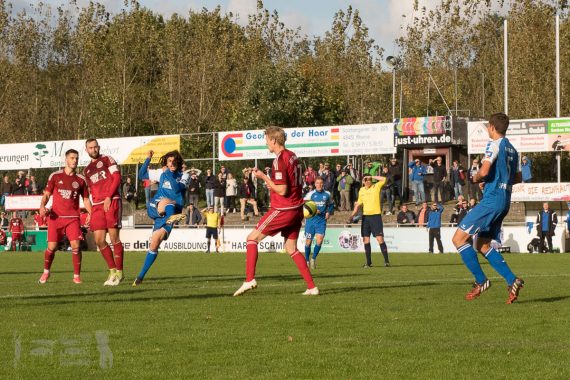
533,135
339,140
29,202
422,131
541,192
50,154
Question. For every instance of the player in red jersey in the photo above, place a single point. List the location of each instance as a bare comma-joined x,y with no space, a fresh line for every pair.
104,180
286,212
66,186
17,230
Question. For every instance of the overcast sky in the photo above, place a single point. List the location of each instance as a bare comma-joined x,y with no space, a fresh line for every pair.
382,17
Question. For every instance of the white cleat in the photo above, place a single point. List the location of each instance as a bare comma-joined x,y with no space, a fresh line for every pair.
245,287
313,264
111,279
311,292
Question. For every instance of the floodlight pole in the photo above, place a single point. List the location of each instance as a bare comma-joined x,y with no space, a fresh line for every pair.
393,93
506,68
558,154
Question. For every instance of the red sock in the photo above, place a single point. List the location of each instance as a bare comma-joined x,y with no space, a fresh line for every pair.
250,260
108,256
48,259
76,257
119,251
299,259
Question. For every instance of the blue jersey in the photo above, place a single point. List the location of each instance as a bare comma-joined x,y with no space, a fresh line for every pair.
504,166
172,185
323,201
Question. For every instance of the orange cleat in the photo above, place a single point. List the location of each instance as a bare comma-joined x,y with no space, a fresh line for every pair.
514,290
477,290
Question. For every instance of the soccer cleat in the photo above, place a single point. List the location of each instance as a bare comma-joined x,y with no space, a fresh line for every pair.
313,264
137,281
245,287
119,277
387,265
111,278
514,290
77,280
176,218
43,279
311,292
366,266
477,290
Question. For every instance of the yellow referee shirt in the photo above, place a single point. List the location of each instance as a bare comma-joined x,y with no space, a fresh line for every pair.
370,199
212,219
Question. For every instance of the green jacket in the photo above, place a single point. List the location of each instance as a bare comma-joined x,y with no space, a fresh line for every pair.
348,179
372,171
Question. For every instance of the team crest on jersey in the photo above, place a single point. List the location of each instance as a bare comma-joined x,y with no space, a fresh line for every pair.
99,164
75,185
167,185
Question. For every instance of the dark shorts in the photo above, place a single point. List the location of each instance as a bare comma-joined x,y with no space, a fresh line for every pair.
288,222
372,225
211,232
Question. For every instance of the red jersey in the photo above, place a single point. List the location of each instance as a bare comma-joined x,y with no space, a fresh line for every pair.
103,178
287,171
16,226
40,220
65,190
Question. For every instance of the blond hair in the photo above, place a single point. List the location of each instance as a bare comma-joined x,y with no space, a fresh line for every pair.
276,133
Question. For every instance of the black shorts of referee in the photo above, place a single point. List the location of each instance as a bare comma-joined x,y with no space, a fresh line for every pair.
372,225
211,232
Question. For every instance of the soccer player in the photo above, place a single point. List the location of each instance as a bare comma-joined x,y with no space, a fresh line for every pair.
17,230
66,186
212,220
498,172
369,199
285,214
316,226
104,180
165,208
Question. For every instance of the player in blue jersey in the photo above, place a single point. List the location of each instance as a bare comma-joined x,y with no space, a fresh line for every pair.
499,172
316,226
165,208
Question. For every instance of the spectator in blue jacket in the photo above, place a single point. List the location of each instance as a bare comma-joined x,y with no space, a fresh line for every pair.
526,169
434,226
417,173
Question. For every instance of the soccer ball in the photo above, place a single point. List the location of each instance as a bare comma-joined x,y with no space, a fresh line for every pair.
309,209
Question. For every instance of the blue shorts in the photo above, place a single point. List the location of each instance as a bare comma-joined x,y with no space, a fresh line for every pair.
372,225
314,227
160,220
484,221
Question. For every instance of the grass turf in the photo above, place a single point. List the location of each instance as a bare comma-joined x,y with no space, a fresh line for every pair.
407,321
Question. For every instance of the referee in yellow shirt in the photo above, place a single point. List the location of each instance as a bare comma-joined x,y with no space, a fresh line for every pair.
212,220
369,199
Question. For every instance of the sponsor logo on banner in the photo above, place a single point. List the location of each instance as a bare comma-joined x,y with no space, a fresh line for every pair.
543,192
422,131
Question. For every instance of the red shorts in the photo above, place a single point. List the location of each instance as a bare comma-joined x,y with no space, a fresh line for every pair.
288,222
58,227
101,220
16,236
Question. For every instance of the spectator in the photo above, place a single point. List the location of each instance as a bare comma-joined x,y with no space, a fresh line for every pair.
310,175
422,216
473,188
2,238
406,217
210,185
224,172
428,181
193,188
526,169
19,186
546,222
246,197
129,191
328,178
355,187
386,192
345,182
336,192
321,169
193,216
33,187
4,222
568,223
457,178
231,192
219,194
5,189
472,203
252,181
434,226
439,176
372,169
459,212
395,170
146,185
417,173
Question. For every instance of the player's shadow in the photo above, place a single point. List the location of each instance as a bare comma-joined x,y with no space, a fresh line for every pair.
112,293
546,300
223,278
426,265
354,289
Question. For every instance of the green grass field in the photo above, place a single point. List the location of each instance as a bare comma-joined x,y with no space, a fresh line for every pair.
407,321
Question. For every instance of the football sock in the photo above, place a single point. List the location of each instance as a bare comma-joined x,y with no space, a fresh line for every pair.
119,251
368,253
316,251
384,249
469,257
208,245
303,268
48,259
148,261
251,260
308,252
498,263
108,256
76,257
169,210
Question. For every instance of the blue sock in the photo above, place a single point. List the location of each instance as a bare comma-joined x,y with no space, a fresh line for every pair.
469,257
498,263
316,251
148,261
307,252
169,210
